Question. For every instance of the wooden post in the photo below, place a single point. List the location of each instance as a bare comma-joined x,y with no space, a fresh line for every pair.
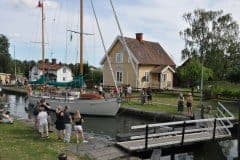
183,132
214,128
146,137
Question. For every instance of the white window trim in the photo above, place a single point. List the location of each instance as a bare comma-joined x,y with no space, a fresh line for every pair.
121,57
119,77
147,75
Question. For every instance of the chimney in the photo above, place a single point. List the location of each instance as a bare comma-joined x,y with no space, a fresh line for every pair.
46,61
54,61
139,37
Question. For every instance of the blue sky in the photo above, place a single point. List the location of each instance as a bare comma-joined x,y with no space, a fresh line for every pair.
159,20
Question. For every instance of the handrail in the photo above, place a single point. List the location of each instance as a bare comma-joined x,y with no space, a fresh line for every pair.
211,129
231,115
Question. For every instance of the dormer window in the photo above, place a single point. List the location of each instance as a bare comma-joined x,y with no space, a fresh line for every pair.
119,58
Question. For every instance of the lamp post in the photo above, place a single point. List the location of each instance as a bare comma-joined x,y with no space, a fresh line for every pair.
15,72
201,86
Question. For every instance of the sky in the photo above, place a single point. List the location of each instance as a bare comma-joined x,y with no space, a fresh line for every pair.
159,21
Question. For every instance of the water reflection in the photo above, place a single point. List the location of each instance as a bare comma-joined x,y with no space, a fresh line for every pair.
16,104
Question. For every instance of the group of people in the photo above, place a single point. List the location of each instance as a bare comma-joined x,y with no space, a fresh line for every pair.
146,94
189,103
63,123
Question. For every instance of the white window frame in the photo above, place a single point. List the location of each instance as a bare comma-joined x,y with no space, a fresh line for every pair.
147,76
119,58
119,76
163,77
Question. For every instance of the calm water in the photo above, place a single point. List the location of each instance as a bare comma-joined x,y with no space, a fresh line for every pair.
110,126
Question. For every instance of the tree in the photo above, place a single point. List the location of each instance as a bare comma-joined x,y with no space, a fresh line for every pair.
190,73
213,36
5,57
4,45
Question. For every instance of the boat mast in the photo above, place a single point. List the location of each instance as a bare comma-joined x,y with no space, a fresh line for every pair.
40,4
81,37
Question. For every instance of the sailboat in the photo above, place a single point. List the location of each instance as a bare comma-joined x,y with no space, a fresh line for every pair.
88,106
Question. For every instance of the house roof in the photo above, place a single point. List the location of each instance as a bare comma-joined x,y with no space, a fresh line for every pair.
50,66
149,53
161,68
145,52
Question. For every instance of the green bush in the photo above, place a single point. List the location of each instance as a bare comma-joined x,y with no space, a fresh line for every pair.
222,89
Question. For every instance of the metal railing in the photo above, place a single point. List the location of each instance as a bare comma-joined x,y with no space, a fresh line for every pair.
211,126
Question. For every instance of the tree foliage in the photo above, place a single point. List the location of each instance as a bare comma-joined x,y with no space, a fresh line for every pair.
213,36
5,57
190,73
4,45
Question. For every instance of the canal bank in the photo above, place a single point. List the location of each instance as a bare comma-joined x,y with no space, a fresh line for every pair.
14,90
108,127
154,116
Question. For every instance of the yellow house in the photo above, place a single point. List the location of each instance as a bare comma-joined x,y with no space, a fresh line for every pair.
139,63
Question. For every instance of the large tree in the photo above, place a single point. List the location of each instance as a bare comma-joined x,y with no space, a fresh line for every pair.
213,36
5,57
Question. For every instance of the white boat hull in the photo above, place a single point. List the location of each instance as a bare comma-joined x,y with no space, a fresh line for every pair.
100,107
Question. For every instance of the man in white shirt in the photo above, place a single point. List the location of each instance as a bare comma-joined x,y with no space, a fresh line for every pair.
43,123
129,92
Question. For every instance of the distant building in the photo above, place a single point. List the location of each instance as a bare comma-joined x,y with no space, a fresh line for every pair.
54,72
154,67
5,78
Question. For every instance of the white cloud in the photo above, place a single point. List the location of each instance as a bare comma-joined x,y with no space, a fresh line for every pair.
160,21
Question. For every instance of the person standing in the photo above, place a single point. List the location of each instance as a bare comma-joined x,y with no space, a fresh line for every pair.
68,124
60,126
143,96
180,102
149,94
100,89
78,120
189,104
43,123
129,92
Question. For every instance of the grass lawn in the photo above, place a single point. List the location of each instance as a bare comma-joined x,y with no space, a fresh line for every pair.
168,103
19,141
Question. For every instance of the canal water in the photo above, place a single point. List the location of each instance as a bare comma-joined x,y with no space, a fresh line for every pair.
110,126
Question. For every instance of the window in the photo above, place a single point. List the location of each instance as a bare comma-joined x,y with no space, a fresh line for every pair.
119,76
119,58
64,70
146,75
164,77
64,79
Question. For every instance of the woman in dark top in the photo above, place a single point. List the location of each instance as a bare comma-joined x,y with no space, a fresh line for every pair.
60,126
78,120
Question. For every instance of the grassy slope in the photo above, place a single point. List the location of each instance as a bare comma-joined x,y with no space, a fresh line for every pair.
19,141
